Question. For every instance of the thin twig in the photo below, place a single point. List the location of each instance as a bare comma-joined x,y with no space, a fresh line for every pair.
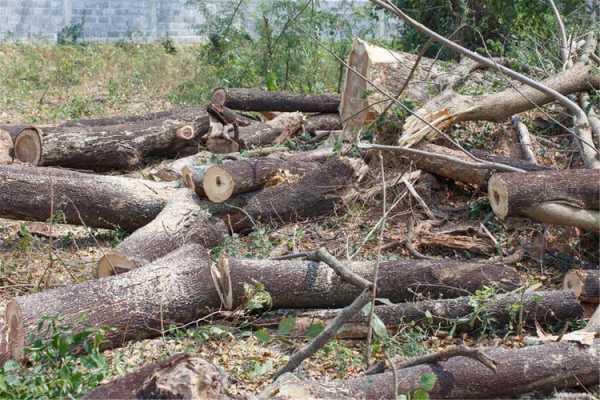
564,42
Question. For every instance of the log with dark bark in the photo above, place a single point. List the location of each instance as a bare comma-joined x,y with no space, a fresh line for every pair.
567,197
546,307
183,220
260,100
109,147
179,113
182,376
180,288
98,201
540,369
585,283
322,122
219,182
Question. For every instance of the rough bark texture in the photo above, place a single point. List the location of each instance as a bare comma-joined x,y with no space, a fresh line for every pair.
322,122
94,200
6,148
183,220
585,283
450,107
219,182
188,114
523,195
275,131
542,368
109,147
182,376
260,100
316,194
548,307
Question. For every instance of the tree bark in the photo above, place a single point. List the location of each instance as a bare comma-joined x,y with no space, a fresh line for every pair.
260,100
542,368
547,307
182,376
109,147
183,220
6,148
219,182
179,288
188,114
322,122
585,283
98,201
568,197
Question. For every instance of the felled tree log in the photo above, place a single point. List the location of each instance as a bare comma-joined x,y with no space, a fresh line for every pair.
180,288
179,113
183,220
219,182
547,307
6,148
567,197
108,147
98,201
182,376
585,283
260,100
322,122
542,368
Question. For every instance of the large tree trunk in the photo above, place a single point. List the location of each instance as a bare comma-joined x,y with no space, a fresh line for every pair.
183,220
585,283
180,288
219,182
450,107
542,368
182,376
260,100
109,147
548,307
568,197
98,201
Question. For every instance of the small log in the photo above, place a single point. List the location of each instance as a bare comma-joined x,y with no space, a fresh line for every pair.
322,122
99,201
544,369
108,147
178,113
567,197
180,288
260,100
182,376
585,283
219,182
547,307
6,147
183,220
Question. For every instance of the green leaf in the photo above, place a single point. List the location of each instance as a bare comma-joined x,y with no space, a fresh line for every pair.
262,335
315,330
286,326
420,394
428,381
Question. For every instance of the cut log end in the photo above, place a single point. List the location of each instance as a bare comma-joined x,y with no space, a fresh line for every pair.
187,178
498,196
15,331
28,146
218,184
585,284
115,263
219,95
185,132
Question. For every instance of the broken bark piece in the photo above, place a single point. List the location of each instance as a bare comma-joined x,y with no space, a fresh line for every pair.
182,376
219,182
108,147
542,369
98,201
183,220
547,307
585,283
567,197
260,100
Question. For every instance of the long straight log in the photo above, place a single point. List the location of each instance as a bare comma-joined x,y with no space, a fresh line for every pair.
183,220
179,113
108,147
585,283
179,288
568,197
546,307
219,182
182,376
98,201
540,369
260,100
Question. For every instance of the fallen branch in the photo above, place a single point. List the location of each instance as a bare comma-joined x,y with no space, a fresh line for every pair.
524,139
